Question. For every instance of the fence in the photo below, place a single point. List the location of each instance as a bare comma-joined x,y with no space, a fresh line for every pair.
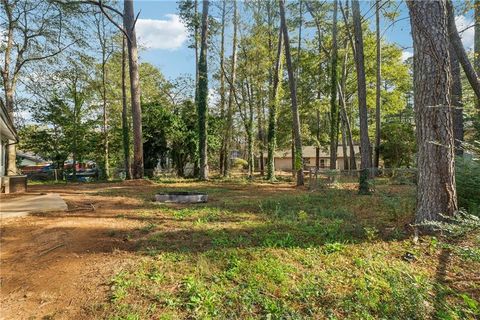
319,178
88,175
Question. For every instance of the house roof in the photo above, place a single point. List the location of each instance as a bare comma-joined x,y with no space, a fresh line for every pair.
7,129
310,152
31,156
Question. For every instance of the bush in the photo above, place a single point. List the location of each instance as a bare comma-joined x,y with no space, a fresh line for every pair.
398,146
467,172
240,164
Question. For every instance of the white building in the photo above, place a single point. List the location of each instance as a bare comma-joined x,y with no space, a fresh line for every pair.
8,135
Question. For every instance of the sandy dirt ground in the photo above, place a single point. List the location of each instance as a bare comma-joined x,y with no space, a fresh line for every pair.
59,265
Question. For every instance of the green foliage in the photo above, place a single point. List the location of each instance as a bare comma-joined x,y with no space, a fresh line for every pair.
198,299
169,133
364,185
64,125
388,294
398,144
240,163
467,177
371,233
334,247
457,225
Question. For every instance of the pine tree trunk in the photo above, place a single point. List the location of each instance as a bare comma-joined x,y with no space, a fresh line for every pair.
476,43
233,77
299,44
221,160
333,92
298,156
436,193
102,39
203,95
366,161
75,135
462,56
195,45
272,116
457,104
343,110
125,133
261,135
251,165
247,95
378,99
106,165
344,144
292,150
319,88
343,113
317,149
129,25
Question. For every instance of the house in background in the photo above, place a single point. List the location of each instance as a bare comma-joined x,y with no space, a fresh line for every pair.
283,158
28,159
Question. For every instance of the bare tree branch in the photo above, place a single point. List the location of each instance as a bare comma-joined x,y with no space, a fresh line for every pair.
102,8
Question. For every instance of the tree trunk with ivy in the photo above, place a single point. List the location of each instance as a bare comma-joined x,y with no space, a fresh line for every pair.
457,104
333,92
378,83
293,95
365,152
272,117
203,95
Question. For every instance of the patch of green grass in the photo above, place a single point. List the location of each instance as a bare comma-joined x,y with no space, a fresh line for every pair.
333,247
148,228
226,240
251,254
464,252
120,286
278,284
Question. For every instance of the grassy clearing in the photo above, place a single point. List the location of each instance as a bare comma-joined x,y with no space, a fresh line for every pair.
267,251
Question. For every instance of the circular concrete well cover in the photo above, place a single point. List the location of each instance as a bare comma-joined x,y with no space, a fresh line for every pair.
181,197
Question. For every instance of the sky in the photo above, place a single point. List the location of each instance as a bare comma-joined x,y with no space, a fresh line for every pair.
165,39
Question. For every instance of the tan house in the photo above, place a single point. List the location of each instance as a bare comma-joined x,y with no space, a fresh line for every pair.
283,158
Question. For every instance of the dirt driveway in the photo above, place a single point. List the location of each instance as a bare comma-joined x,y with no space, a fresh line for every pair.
59,265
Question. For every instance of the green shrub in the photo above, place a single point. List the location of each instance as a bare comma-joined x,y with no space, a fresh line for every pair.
398,146
239,164
468,184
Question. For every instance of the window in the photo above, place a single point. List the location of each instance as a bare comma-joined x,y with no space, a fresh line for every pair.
322,163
